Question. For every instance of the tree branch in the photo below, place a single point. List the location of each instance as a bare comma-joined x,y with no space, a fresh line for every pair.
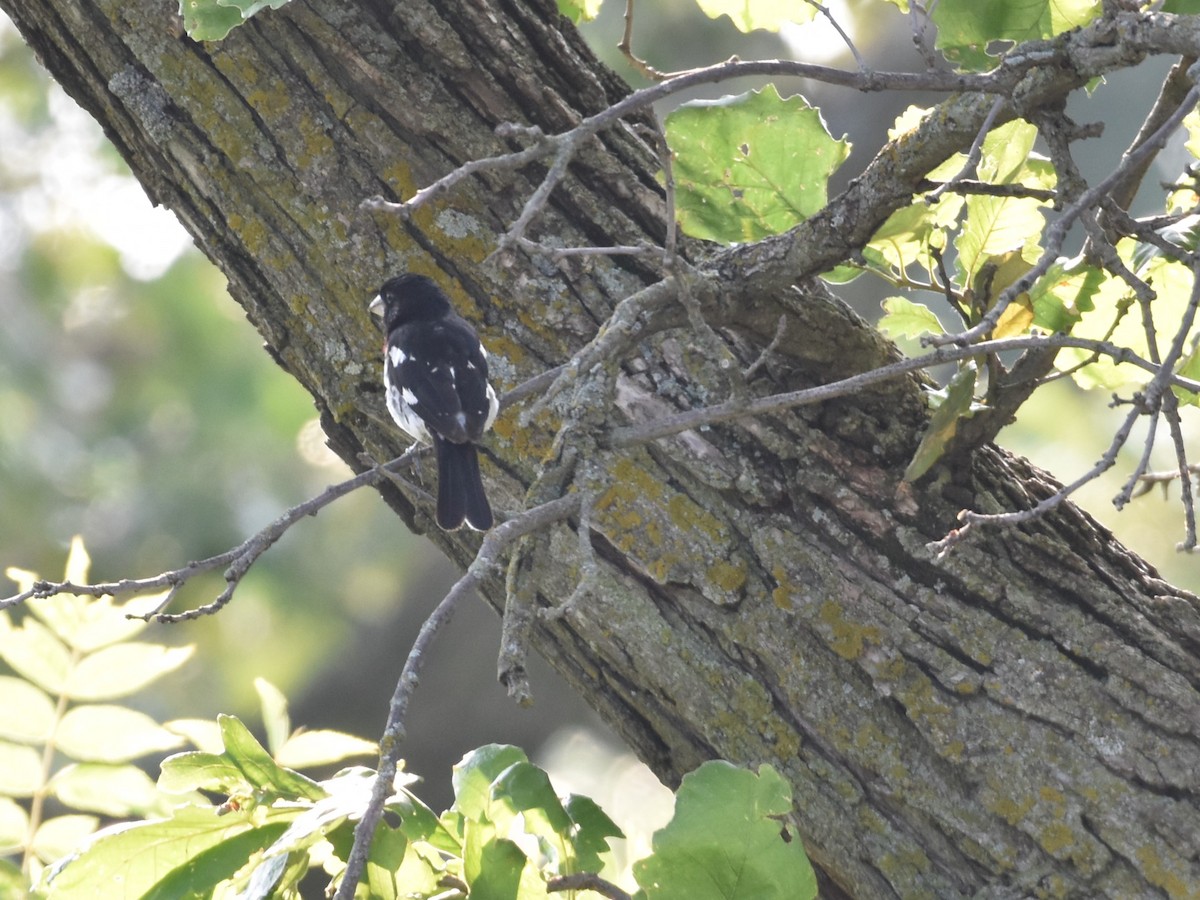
495,543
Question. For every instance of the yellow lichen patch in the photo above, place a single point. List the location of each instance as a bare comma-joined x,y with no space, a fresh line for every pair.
847,639
728,576
1056,839
1011,809
269,104
1164,874
316,142
783,593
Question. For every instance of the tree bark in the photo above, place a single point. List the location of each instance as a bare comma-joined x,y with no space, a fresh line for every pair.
1020,718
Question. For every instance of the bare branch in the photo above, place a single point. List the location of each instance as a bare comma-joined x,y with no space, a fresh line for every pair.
823,10
237,560
625,45
586,881
724,412
973,155
495,543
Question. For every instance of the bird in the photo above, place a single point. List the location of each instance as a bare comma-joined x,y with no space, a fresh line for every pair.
435,379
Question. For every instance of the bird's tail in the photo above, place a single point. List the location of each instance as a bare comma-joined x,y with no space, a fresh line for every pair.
460,488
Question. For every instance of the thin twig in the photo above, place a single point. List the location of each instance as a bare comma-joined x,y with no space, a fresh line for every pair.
724,412
821,8
1171,413
974,155
986,189
1057,233
237,560
780,330
625,45
495,543
1000,81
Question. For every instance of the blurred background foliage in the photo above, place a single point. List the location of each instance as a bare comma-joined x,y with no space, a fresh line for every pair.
137,409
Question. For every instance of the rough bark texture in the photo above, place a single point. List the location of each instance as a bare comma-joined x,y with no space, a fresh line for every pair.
1023,718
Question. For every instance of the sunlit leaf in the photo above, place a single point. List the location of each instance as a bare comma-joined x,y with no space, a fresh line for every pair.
208,20
117,791
1114,302
751,165
260,770
320,747
194,851
748,15
14,828
965,28
20,770
112,734
59,836
276,721
204,734
579,10
996,226
26,713
33,651
724,841
1065,293
123,669
199,770
592,830
943,424
474,774
89,623
904,318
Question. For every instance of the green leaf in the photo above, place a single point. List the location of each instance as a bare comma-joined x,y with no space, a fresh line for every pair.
207,20
1110,321
105,733
967,27
748,15
193,851
198,770
14,829
34,652
1189,367
579,10
20,770
1182,7
592,830
203,733
724,841
474,774
276,721
321,747
943,424
751,165
26,713
59,836
1064,294
494,867
903,318
249,7
12,880
89,623
262,772
117,791
997,225
123,669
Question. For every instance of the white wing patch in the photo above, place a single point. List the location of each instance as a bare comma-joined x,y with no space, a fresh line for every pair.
493,407
398,404
397,356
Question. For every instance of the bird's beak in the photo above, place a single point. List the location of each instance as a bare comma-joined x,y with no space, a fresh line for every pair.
377,305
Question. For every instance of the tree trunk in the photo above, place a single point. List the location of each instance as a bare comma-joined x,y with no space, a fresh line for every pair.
1020,718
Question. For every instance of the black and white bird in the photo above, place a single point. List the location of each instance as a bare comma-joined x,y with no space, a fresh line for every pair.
435,378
